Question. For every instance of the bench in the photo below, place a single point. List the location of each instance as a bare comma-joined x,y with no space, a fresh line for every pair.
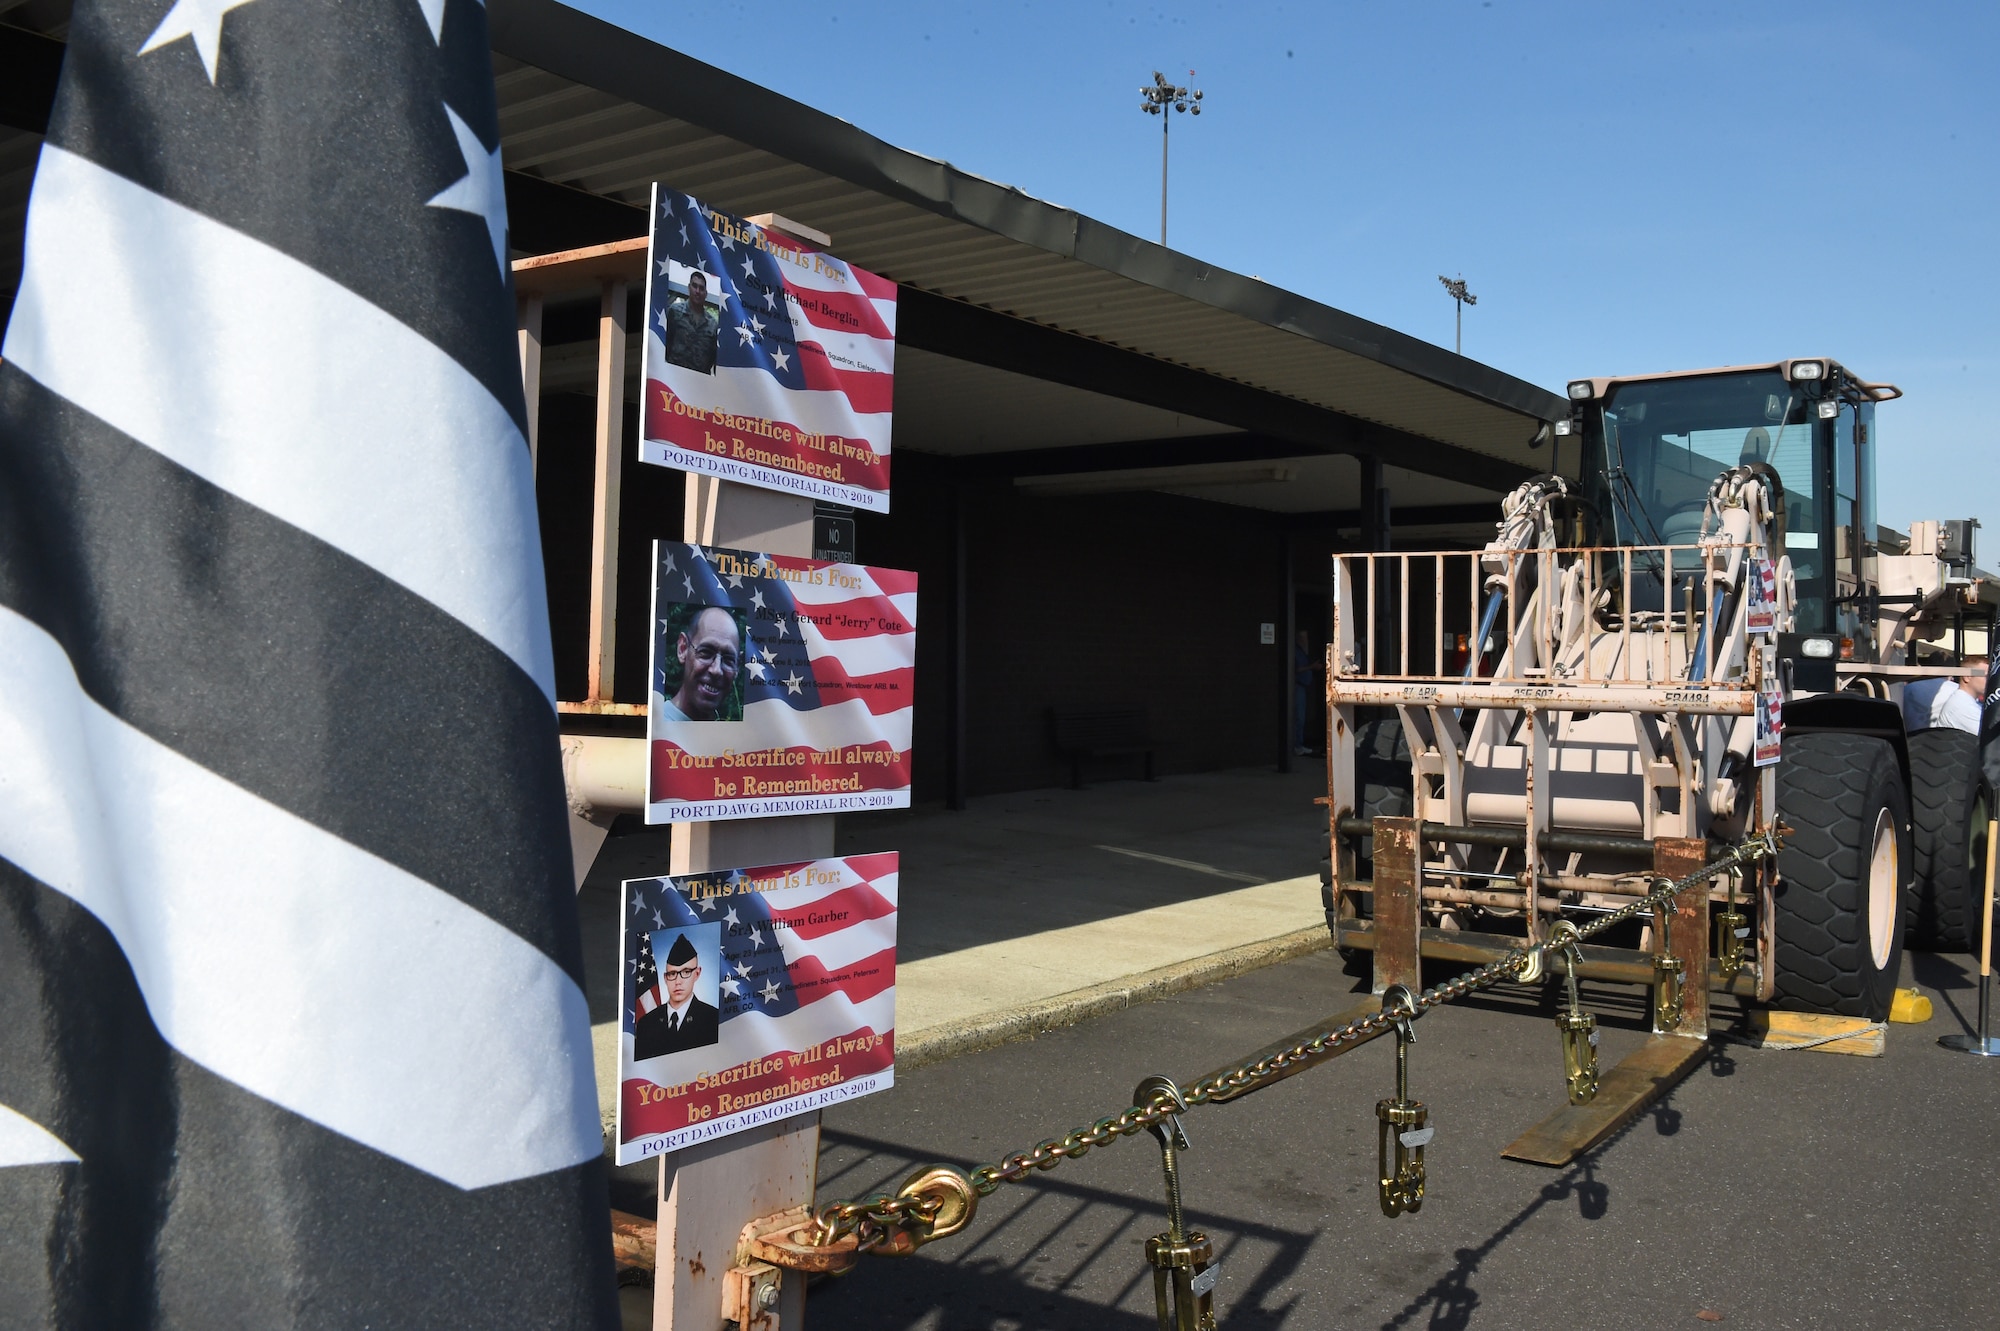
1102,732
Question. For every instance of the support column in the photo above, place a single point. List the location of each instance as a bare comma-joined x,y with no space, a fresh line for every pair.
530,332
1287,649
605,490
710,1191
956,780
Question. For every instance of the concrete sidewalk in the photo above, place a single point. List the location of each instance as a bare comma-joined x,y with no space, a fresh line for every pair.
1034,910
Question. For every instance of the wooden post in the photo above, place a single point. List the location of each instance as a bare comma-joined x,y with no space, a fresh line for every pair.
604,496
1399,913
1676,857
710,1191
531,371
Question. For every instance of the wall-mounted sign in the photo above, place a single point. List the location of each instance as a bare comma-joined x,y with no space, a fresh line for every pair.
833,532
749,995
779,685
767,361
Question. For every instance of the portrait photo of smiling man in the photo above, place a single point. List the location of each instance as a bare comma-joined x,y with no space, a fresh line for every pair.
702,664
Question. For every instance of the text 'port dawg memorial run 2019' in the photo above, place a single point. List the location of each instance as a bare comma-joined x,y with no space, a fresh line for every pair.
767,361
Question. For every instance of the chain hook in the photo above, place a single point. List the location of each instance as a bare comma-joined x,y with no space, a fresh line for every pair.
1184,1267
1578,1028
1402,1123
1668,971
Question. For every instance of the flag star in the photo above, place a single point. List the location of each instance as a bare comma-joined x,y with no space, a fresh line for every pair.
749,267
756,598
756,936
727,243
735,580
743,969
667,564
481,191
755,667
769,991
662,266
730,918
201,20
659,920
757,324
770,657
783,632
694,552
781,360
792,683
689,584
684,234
638,906
747,334
770,300
730,987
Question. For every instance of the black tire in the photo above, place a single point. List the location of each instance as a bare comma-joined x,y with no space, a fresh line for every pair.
1833,792
1948,833
1382,784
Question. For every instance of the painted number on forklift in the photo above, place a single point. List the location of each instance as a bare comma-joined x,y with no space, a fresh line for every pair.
1534,693
1419,691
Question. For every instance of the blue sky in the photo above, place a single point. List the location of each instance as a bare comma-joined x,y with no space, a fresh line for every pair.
1626,188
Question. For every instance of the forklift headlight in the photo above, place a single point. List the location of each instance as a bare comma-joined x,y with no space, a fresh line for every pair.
1808,369
1828,408
1820,649
1579,390
1565,428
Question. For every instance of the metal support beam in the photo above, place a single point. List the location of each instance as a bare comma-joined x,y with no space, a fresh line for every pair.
1676,857
1398,906
605,489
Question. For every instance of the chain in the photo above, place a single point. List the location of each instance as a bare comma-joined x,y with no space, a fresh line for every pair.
902,1221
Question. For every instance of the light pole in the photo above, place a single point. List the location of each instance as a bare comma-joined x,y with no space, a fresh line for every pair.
1156,99
1464,298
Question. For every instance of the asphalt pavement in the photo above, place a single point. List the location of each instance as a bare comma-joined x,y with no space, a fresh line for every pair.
1771,1189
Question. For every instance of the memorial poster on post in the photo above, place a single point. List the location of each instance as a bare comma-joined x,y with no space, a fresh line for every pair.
750,995
1761,612
767,361
779,686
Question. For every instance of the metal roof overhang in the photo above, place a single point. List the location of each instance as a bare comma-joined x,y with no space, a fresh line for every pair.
1030,331
1009,301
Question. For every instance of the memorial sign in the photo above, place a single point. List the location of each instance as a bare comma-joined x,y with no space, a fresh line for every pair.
767,361
750,995
780,685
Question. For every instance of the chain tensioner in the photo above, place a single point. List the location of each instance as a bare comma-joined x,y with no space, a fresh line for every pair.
1578,1028
1184,1268
1402,1125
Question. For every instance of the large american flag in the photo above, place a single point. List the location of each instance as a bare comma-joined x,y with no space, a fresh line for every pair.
807,997
292,1031
805,357
828,682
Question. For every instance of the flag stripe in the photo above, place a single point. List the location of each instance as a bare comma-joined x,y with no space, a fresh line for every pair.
191,1189
317,683
324,136
26,1142
778,727
842,909
286,960
204,368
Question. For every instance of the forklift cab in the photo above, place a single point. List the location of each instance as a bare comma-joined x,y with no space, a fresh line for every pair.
1652,446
